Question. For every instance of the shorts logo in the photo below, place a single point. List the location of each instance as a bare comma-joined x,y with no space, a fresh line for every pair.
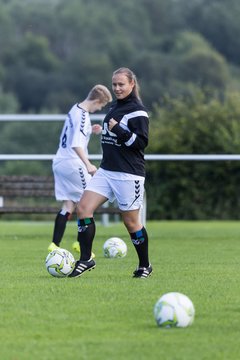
137,188
83,180
137,191
123,204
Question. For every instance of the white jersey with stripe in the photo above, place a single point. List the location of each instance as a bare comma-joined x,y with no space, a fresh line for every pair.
76,132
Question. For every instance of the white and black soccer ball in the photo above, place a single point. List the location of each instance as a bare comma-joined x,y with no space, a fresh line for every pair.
174,309
60,262
114,248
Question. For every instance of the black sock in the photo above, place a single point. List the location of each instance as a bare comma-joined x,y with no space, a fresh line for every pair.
60,226
140,242
86,233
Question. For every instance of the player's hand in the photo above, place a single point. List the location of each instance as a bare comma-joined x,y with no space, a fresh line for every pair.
91,169
96,129
111,124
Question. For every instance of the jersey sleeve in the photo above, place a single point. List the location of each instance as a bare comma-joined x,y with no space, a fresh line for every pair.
80,132
132,130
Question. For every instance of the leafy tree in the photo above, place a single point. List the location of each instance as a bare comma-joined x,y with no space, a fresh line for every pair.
8,103
53,51
217,21
195,190
182,59
30,138
32,65
200,64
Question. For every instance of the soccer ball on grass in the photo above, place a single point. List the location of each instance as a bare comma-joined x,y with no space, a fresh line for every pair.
114,248
60,262
174,310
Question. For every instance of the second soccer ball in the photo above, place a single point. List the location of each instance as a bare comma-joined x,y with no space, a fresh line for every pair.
114,248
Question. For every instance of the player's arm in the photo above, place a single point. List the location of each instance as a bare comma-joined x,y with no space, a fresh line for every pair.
90,167
135,135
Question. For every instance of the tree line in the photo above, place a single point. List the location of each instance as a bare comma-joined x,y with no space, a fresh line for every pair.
53,51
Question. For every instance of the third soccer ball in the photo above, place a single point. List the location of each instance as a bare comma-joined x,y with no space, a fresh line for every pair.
60,262
114,248
174,310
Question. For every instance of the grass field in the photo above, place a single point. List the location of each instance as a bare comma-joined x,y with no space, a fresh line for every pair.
106,314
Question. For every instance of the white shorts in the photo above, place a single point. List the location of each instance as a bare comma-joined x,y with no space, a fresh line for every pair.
128,191
70,179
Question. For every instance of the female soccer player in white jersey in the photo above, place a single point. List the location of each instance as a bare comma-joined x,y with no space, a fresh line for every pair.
121,174
71,167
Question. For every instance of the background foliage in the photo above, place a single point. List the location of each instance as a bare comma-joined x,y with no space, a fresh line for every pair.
186,57
53,51
188,189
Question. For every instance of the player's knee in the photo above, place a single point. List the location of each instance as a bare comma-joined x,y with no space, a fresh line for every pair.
83,211
132,224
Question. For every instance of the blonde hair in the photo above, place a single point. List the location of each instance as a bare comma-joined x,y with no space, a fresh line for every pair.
131,77
101,93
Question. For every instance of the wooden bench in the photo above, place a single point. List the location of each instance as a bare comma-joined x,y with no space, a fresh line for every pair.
31,194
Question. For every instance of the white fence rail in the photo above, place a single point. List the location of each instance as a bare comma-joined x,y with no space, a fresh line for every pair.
100,117
150,157
43,117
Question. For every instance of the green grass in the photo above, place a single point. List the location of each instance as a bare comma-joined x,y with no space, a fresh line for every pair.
106,314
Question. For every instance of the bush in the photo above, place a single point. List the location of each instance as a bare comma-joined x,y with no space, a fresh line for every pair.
190,189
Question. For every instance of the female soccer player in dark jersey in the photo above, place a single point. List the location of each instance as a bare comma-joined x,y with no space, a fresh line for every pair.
121,174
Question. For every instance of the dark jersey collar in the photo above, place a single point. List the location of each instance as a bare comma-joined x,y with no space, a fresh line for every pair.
128,98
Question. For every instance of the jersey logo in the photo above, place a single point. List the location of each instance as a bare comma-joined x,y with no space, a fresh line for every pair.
106,131
82,123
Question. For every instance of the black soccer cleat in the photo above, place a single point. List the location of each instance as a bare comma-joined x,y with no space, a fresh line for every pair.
143,272
81,267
